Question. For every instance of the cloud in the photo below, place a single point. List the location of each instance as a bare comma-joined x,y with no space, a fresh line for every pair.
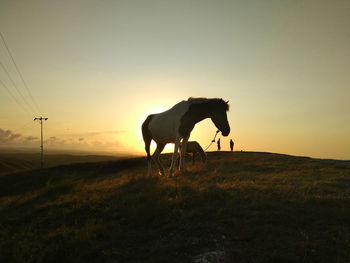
100,141
105,144
31,138
96,133
54,141
8,136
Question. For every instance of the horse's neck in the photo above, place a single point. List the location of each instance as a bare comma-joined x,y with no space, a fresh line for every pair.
200,150
195,114
200,112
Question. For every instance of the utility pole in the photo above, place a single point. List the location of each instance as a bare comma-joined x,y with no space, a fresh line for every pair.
42,143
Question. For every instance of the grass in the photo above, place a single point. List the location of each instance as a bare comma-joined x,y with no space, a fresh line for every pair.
238,207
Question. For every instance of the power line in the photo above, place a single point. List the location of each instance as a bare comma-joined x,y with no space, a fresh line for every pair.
19,73
13,97
20,128
18,91
42,142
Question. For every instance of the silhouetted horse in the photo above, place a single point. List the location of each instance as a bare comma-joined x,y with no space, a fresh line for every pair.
177,123
193,148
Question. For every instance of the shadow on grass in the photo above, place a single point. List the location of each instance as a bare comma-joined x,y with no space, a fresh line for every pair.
18,183
158,219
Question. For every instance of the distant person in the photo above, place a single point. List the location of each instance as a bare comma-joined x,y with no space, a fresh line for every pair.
219,147
231,145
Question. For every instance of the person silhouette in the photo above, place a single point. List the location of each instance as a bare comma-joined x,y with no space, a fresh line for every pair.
219,147
231,145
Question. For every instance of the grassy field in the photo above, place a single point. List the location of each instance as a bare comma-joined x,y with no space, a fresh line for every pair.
238,207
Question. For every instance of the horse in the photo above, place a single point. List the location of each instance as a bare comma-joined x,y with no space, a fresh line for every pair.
194,147
177,123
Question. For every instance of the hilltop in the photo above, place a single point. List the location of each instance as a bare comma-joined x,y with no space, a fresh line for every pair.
238,207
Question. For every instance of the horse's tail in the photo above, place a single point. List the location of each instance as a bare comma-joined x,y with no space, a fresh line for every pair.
147,138
146,133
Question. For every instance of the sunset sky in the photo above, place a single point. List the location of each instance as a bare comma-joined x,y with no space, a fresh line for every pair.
96,69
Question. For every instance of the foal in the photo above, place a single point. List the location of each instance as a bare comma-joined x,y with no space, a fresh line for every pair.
194,147
176,124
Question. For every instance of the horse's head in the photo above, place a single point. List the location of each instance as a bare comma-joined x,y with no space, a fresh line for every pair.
219,117
204,157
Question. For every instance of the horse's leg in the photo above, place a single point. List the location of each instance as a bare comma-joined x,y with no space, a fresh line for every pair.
173,161
156,155
183,152
178,159
193,156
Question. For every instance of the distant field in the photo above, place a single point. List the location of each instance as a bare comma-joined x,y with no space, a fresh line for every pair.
15,162
238,207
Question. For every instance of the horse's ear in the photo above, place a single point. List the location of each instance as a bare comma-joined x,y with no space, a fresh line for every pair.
227,101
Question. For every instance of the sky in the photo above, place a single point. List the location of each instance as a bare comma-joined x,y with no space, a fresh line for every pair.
96,69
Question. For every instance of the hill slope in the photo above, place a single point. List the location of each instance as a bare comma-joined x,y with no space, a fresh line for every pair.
238,207
16,162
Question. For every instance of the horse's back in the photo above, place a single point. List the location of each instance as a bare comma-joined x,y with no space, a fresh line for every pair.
164,126
194,146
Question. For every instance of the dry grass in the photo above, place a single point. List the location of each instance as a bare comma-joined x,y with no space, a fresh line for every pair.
245,207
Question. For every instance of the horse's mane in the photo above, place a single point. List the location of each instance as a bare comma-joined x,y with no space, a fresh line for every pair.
209,101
